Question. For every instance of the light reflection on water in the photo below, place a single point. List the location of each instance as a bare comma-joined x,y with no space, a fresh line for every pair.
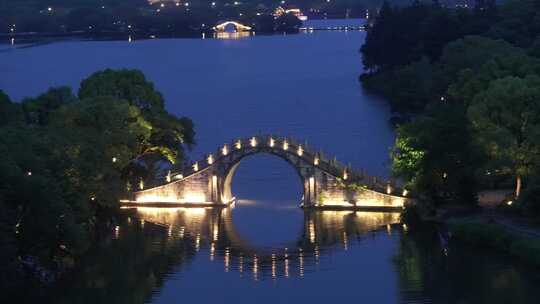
199,255
214,230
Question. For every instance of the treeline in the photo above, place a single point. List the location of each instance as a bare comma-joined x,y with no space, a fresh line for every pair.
465,85
67,160
189,17
134,17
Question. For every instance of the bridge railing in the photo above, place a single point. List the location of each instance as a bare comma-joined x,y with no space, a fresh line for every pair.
317,158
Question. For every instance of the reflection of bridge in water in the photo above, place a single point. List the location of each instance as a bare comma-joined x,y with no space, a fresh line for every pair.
214,231
326,182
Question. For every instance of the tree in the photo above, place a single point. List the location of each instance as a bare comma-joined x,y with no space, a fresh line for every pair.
94,139
437,157
37,110
168,133
9,112
506,117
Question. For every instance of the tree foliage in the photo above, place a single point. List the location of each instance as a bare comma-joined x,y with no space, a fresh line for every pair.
506,117
64,159
438,157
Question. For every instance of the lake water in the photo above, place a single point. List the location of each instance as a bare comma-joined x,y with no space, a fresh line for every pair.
264,249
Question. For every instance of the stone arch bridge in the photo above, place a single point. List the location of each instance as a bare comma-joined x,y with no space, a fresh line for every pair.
326,183
238,27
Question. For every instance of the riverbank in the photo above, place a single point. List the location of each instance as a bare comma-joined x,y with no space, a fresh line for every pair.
497,236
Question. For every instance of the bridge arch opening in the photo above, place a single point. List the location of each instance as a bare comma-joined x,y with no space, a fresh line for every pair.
265,178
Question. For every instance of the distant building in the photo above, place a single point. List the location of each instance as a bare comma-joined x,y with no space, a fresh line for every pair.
279,11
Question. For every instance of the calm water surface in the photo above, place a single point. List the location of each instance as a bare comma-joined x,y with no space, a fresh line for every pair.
264,249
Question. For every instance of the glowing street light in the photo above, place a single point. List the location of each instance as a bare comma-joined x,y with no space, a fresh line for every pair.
272,142
285,145
253,142
300,151
225,150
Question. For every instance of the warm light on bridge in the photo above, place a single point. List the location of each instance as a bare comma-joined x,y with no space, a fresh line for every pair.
238,26
211,183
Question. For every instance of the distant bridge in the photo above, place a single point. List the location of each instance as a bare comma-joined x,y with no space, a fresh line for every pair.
237,26
326,183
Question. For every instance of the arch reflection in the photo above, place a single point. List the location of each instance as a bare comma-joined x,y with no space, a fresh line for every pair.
213,230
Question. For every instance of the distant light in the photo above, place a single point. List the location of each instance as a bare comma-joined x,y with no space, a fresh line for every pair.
49,9
29,173
114,159
162,5
509,203
236,3
258,14
177,3
213,4
186,4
